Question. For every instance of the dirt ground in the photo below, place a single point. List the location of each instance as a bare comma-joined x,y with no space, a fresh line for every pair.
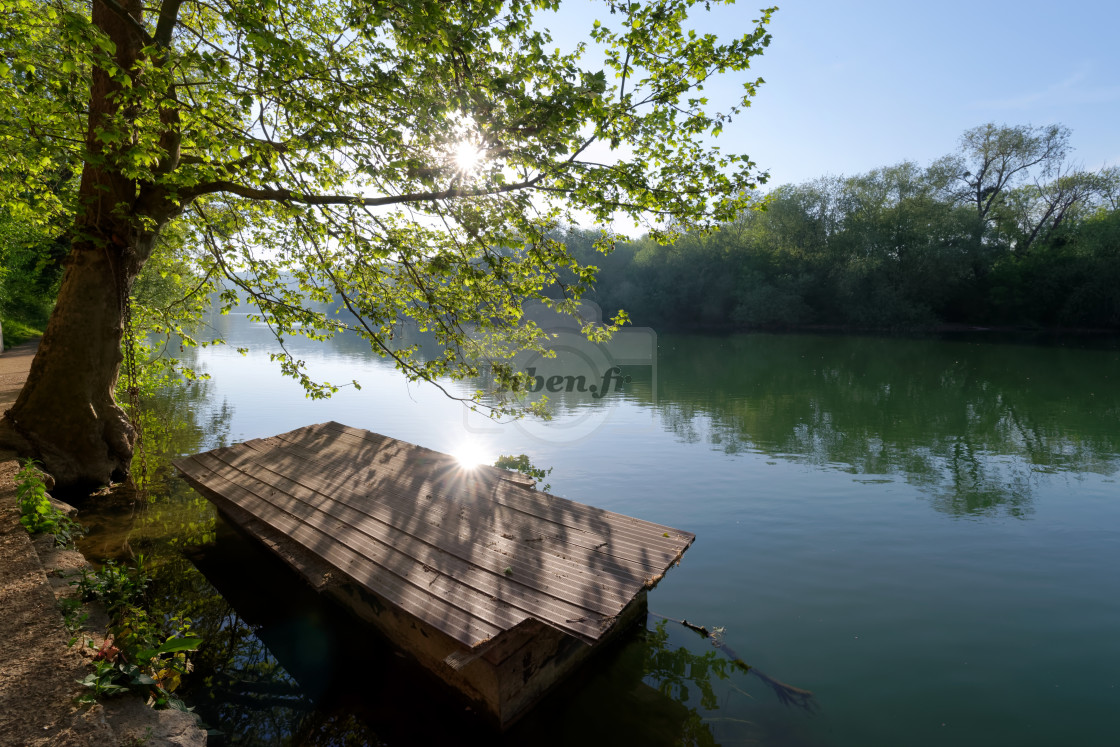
39,668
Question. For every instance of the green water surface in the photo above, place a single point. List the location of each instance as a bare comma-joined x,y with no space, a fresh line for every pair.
925,533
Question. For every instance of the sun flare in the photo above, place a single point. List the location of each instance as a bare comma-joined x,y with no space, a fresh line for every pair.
470,455
468,156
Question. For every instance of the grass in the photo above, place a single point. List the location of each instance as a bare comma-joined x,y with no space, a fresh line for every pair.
17,332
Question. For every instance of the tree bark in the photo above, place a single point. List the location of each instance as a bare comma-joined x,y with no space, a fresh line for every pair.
66,415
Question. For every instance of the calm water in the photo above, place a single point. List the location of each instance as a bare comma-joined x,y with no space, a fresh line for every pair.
924,533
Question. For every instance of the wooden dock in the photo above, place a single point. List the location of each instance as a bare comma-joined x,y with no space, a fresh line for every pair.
499,589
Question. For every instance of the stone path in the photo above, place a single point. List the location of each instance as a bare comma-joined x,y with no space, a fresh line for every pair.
38,667
14,365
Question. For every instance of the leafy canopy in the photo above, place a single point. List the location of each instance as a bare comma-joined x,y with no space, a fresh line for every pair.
314,149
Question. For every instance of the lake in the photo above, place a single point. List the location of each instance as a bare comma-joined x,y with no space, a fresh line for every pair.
925,533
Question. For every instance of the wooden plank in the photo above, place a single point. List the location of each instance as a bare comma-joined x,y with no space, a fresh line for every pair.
629,559
384,555
443,571
434,540
498,476
651,535
623,581
494,552
625,578
361,569
453,621
623,537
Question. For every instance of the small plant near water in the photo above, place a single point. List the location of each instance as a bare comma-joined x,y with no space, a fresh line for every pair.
139,741
114,585
74,616
138,655
37,514
521,463
102,682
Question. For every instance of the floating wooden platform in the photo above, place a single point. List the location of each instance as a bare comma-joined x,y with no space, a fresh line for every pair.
499,589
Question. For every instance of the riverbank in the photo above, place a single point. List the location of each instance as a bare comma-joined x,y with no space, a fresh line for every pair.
948,331
39,668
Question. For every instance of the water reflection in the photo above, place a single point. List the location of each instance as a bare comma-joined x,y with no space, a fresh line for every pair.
162,514
658,686
304,672
981,429
972,424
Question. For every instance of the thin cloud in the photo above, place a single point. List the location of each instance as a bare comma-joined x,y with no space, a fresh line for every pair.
1071,90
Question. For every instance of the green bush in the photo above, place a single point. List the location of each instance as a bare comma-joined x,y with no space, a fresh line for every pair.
37,514
115,586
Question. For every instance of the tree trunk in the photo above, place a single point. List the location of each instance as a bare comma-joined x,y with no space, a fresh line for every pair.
66,415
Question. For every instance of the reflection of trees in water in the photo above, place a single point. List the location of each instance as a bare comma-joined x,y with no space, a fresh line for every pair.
650,690
164,516
659,686
977,483
237,682
972,424
179,417
238,687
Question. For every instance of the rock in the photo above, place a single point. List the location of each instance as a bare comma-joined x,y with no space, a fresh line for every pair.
134,722
62,506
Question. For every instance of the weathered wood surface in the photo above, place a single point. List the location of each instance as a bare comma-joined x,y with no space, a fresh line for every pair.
471,552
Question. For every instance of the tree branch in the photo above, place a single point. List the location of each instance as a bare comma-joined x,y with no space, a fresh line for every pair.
286,195
119,11
168,17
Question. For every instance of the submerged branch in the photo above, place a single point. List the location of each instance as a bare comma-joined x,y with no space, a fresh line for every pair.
788,695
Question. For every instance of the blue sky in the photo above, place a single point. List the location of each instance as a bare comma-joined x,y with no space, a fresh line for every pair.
856,84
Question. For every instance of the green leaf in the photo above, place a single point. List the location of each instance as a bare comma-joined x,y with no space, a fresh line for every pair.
173,645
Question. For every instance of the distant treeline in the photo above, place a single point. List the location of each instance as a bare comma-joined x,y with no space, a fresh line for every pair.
1002,232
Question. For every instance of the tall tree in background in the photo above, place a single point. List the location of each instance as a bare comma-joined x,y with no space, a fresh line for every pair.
993,159
406,157
1019,180
1039,209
